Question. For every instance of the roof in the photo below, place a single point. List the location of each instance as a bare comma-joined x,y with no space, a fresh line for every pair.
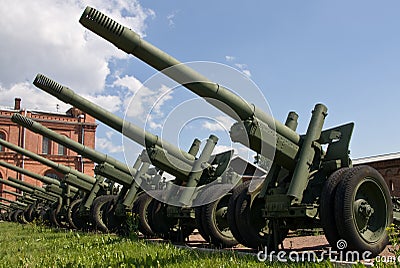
377,158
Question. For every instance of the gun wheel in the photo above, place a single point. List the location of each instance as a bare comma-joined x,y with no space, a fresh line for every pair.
75,220
143,204
56,218
363,210
20,217
231,211
256,231
327,206
29,213
11,216
103,215
174,229
198,211
214,217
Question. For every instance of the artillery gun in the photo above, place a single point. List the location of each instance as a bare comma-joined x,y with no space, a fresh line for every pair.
64,192
16,209
40,209
311,181
187,169
23,198
66,215
133,179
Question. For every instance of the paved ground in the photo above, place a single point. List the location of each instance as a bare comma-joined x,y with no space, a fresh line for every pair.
303,243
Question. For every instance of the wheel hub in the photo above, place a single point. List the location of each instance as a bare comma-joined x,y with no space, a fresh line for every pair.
364,208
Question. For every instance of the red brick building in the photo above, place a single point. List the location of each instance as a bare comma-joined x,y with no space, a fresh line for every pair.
74,124
389,166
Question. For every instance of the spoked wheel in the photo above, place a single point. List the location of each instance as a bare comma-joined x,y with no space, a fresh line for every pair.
256,231
103,214
214,216
174,229
327,206
363,210
75,220
231,211
143,205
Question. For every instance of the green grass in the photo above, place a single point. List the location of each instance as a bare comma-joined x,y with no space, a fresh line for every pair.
38,246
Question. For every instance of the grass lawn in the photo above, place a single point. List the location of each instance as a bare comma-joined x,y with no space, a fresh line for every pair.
39,246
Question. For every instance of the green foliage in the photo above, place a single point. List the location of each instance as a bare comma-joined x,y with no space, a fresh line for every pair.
132,226
393,233
34,245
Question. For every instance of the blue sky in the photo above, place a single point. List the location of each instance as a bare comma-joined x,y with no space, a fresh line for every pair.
345,54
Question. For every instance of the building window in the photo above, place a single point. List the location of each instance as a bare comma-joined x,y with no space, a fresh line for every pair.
62,150
52,174
2,136
46,146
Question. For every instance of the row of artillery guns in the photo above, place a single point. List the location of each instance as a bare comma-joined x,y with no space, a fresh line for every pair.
309,183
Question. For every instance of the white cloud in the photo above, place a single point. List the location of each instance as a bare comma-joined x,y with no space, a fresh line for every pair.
247,72
109,102
171,17
129,82
104,144
142,102
242,67
109,134
32,98
221,123
46,37
223,148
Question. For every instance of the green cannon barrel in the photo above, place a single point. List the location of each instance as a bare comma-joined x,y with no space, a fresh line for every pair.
130,130
31,174
59,167
14,202
4,206
85,151
25,196
130,42
56,192
12,193
39,193
34,187
44,179
17,186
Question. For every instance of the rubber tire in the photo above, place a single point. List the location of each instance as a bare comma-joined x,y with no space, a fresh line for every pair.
232,208
29,213
53,218
74,219
244,217
11,217
198,212
211,226
20,216
102,214
327,206
143,212
165,227
345,195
